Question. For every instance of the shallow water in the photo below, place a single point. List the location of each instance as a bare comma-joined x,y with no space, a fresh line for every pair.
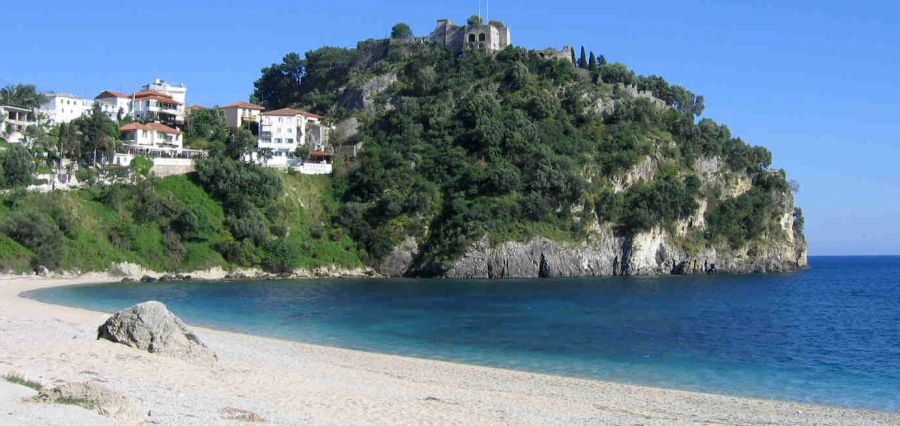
829,335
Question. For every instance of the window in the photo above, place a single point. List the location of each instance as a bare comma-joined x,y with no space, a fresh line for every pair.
481,37
277,140
289,140
471,38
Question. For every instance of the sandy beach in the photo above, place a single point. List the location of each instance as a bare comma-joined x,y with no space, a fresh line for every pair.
295,383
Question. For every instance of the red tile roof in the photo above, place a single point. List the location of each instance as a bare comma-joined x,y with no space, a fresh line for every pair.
110,94
243,104
290,112
311,115
319,153
130,127
154,95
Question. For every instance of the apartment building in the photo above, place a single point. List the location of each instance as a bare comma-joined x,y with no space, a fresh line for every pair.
174,91
63,108
158,102
282,131
151,106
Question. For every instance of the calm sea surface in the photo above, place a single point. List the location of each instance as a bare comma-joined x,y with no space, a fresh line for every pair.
828,335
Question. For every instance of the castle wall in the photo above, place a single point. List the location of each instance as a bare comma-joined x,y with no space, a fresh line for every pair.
457,38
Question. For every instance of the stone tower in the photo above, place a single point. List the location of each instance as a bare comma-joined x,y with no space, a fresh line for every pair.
490,37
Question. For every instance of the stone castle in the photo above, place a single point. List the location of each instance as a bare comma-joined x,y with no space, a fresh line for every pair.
490,37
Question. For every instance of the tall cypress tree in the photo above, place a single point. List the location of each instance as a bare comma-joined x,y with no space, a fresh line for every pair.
602,60
592,62
582,61
574,61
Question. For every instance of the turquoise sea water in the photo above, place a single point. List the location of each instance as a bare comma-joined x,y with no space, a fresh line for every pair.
829,335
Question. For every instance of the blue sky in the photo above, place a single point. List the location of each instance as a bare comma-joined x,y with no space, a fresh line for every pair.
814,81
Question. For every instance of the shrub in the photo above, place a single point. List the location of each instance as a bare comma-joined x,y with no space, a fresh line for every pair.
36,231
141,166
18,166
247,222
281,255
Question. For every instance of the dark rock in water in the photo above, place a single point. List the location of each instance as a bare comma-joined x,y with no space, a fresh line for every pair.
151,327
148,279
127,280
167,277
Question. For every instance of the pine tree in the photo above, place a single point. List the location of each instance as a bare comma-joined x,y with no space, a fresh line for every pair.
601,61
582,61
574,61
592,62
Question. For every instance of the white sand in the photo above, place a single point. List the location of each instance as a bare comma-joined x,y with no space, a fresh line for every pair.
294,383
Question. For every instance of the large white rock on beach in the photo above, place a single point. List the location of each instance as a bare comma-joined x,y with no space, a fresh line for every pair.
151,327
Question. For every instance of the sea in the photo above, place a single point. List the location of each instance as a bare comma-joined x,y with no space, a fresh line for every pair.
828,335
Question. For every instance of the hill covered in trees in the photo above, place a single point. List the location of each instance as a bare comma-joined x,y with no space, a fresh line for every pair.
456,165
491,165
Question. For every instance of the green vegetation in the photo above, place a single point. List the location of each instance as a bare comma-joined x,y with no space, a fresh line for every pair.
461,147
17,166
401,31
513,146
22,96
205,127
172,224
21,380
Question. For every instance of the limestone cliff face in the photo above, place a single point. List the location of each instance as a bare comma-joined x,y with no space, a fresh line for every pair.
648,253
605,252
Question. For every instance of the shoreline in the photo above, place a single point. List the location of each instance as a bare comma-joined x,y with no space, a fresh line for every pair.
290,382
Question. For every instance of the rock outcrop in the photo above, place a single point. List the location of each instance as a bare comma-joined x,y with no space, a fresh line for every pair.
648,253
97,397
363,98
151,327
401,259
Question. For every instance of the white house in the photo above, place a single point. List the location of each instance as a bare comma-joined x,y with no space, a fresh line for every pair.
14,121
174,91
63,108
282,131
114,104
237,113
154,135
159,101
151,106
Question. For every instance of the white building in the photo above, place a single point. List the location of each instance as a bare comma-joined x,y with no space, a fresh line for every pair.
159,102
237,113
114,104
174,91
282,131
153,135
151,106
63,108
14,121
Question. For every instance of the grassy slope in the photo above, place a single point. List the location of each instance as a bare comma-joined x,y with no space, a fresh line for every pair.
98,235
